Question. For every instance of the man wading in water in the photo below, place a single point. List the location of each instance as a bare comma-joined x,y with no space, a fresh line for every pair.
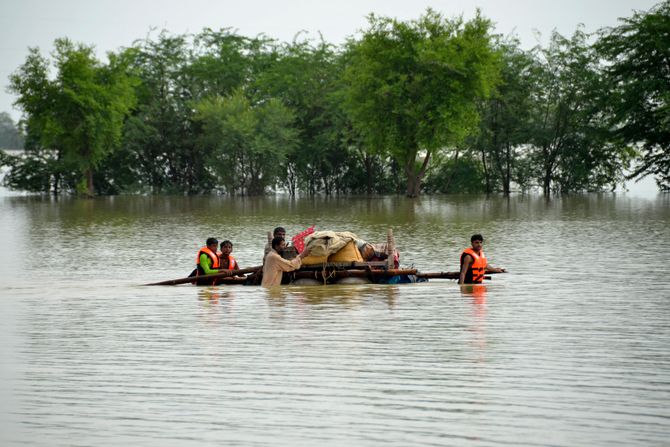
274,265
474,264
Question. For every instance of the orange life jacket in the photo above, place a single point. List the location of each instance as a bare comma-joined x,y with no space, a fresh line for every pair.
212,256
232,263
475,273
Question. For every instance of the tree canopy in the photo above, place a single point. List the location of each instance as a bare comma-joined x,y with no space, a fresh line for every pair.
412,86
638,52
80,113
435,104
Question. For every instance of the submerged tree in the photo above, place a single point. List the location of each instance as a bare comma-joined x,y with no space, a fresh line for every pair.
570,146
160,133
505,118
246,143
413,86
78,116
639,72
304,77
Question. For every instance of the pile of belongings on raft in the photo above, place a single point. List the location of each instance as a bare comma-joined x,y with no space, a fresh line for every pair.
333,247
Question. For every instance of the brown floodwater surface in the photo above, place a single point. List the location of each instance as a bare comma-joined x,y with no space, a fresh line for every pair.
571,347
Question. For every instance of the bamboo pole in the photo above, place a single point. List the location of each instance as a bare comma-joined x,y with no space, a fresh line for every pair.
390,249
447,275
224,274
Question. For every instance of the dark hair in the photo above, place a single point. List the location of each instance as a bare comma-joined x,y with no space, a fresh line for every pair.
477,237
276,241
278,230
211,240
226,242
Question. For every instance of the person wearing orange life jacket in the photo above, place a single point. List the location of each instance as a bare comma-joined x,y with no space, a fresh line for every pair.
207,261
226,260
474,264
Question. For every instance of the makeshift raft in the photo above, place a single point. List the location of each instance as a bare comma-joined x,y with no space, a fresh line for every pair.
327,270
327,275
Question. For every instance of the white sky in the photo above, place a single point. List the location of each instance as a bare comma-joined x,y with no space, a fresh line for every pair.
109,25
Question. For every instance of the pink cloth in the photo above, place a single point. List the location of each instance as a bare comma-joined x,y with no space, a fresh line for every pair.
299,239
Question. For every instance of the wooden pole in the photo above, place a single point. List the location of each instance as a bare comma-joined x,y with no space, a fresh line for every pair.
224,274
447,275
390,249
443,275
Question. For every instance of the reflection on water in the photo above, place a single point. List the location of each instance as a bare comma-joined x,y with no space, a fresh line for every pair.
571,348
476,293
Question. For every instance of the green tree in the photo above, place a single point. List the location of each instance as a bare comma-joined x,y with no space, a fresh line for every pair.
638,52
246,143
413,86
306,77
161,132
570,146
223,61
505,117
79,114
460,172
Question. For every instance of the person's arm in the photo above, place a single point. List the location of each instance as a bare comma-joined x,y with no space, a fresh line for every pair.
282,264
464,269
305,253
206,264
237,267
490,269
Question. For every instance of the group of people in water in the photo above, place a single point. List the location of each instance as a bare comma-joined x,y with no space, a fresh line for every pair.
215,258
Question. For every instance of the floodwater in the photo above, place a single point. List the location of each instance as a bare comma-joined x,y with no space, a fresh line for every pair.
571,347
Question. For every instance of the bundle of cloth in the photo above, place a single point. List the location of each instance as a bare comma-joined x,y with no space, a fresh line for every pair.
326,243
323,244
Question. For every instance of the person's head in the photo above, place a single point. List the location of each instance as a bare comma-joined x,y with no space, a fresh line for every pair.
212,243
367,251
226,248
477,242
279,232
278,244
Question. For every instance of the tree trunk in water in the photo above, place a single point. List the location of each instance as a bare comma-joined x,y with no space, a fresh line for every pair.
414,178
487,181
451,177
368,173
546,184
412,189
508,171
90,192
57,174
291,180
